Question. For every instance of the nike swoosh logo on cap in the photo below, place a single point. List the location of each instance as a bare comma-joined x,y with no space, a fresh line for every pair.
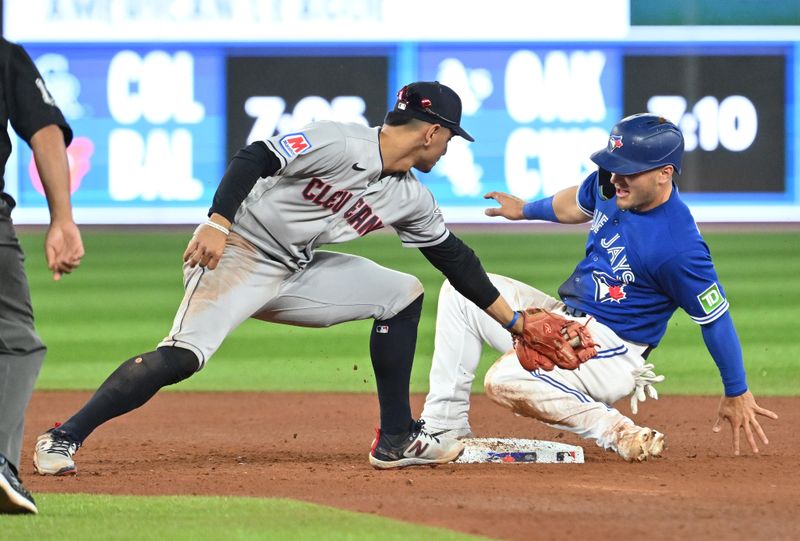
356,167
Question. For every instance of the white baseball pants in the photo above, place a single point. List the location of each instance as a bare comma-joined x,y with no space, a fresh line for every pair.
574,400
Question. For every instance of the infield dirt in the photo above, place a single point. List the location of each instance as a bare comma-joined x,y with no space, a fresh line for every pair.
314,447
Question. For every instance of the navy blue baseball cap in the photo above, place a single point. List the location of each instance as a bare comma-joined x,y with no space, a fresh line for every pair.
432,102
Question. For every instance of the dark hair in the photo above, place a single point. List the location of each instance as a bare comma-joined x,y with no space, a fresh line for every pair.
396,118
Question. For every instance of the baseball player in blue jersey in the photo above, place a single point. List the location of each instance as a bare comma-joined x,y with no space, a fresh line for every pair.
644,259
257,256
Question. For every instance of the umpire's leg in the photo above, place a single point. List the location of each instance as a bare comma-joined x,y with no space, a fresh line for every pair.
18,375
21,349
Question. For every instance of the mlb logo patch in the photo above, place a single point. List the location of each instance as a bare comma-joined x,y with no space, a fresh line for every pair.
382,329
294,144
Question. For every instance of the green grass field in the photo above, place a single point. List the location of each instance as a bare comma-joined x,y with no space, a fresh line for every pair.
196,518
122,300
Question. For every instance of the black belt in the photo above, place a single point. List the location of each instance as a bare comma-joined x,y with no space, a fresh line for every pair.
574,312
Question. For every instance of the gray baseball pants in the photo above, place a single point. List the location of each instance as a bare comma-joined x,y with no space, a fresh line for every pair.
21,349
332,289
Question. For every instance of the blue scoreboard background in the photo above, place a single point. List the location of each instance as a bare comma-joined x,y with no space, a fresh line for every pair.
156,122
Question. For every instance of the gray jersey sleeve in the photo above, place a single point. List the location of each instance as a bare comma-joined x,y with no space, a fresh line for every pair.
316,149
423,224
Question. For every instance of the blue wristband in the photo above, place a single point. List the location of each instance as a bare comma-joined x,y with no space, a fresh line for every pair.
510,324
540,210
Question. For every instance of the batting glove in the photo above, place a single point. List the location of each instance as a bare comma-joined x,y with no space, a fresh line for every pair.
644,378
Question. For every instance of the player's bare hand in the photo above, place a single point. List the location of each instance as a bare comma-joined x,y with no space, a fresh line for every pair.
510,206
740,412
205,248
63,248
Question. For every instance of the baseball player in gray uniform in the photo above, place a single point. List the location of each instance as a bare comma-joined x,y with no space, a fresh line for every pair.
256,256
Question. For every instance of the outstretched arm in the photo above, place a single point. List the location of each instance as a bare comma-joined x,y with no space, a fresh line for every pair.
462,267
63,245
561,207
738,406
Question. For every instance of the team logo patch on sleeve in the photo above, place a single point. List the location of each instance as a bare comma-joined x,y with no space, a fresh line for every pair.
711,298
294,144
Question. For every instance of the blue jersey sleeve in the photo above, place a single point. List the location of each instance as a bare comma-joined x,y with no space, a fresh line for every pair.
587,194
690,280
723,344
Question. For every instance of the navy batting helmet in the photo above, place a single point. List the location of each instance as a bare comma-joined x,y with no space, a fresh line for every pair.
640,143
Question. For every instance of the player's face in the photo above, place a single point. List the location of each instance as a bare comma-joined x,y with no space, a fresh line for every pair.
436,148
643,191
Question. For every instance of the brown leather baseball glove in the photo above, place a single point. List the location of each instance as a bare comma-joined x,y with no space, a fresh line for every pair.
549,340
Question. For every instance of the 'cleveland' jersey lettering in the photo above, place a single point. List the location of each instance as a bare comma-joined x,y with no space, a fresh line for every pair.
316,197
317,192
361,218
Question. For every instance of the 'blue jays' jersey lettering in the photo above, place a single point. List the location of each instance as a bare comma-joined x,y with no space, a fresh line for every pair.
641,266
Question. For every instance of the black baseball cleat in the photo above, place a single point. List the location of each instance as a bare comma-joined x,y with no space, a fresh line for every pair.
14,497
415,448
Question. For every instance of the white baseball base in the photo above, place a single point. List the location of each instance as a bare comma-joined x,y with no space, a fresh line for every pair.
517,451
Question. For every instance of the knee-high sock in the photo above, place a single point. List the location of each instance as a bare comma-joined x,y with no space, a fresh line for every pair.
129,386
391,345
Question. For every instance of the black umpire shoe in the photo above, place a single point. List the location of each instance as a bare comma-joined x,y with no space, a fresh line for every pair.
14,497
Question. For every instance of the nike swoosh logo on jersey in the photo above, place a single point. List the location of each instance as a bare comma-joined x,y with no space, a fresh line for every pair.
356,167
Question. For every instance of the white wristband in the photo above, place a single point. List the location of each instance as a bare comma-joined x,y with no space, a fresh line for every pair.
220,228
